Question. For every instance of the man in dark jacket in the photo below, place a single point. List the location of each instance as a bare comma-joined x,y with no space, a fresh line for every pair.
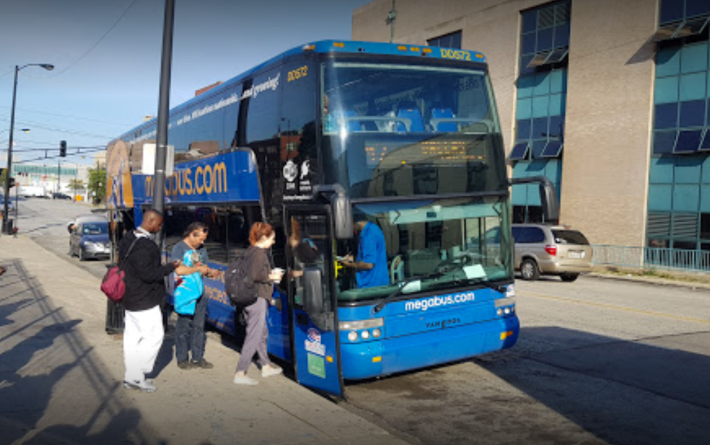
145,291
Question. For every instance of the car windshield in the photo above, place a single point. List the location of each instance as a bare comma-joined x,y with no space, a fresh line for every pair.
94,229
569,237
428,245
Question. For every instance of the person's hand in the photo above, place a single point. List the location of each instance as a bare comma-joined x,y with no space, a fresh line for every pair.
213,273
177,263
204,270
349,258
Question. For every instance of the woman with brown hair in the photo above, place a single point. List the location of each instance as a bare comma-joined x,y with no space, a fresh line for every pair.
261,237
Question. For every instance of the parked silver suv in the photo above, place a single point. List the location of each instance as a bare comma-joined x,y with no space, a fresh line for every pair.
550,250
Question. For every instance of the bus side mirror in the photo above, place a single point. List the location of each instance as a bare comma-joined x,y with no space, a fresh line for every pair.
548,196
342,216
313,291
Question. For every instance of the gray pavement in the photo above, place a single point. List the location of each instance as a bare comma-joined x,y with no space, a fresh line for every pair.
60,376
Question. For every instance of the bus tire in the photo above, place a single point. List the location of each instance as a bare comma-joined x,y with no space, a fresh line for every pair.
529,270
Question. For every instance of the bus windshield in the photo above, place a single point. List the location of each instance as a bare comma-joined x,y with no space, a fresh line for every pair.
446,242
397,130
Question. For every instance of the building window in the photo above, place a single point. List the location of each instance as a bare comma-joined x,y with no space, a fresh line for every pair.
452,40
681,19
541,99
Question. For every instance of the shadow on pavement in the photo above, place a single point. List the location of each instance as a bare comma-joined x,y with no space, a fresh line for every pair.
52,388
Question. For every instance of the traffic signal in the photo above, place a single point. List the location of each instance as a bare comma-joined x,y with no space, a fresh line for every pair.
63,149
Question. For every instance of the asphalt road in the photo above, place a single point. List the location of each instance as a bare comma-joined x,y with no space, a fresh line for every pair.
598,361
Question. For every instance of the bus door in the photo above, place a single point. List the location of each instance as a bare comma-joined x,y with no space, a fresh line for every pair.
316,345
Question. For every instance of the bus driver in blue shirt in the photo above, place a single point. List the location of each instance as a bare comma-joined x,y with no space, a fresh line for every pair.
371,262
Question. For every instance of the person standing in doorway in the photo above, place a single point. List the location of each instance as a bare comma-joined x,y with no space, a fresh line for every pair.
258,270
190,329
145,292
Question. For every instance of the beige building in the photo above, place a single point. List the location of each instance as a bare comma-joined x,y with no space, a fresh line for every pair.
620,86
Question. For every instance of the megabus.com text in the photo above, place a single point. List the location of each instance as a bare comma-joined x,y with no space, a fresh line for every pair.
444,300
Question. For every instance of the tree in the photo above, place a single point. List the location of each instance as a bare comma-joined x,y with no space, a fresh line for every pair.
76,185
97,184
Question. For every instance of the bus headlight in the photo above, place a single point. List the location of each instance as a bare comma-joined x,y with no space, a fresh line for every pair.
499,311
376,333
361,328
365,335
352,336
506,311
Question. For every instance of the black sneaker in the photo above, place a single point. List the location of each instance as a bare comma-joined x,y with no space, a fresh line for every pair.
187,364
204,364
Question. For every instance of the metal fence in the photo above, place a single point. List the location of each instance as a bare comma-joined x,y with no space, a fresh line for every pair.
652,258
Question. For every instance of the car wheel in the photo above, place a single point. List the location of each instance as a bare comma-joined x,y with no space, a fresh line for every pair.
529,270
569,277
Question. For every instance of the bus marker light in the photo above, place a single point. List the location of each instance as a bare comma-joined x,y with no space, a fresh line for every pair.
330,359
352,336
414,48
309,47
376,359
339,45
426,50
365,335
402,48
503,335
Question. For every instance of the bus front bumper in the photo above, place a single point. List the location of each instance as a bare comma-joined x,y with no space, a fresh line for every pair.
391,355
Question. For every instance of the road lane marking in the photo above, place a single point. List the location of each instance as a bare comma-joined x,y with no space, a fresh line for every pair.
618,308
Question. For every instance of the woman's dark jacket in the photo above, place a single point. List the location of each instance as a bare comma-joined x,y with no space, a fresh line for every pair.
259,270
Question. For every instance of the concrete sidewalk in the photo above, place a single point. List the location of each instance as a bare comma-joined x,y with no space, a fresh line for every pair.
60,376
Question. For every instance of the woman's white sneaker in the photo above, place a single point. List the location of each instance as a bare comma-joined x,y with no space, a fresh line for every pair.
270,370
244,380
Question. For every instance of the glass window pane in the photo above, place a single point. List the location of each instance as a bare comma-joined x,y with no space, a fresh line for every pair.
562,35
705,145
524,127
688,141
668,62
541,106
666,90
666,116
557,126
694,57
692,86
691,27
663,142
526,85
552,149
557,80
544,40
695,8
671,10
528,45
524,109
556,104
529,21
539,128
542,84
666,32
524,62
537,148
519,151
692,114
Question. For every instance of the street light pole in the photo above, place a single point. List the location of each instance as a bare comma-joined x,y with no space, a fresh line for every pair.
6,225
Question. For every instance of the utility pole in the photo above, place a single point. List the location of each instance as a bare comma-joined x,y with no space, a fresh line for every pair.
391,17
163,110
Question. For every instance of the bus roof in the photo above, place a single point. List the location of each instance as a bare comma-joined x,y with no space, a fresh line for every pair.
339,46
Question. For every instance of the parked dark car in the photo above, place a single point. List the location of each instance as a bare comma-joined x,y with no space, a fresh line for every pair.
60,196
90,238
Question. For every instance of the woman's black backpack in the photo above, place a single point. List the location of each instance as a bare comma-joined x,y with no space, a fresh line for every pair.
240,288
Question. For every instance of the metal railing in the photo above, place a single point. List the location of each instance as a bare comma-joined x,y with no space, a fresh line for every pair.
651,258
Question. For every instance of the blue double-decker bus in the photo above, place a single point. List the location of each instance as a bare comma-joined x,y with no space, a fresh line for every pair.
316,140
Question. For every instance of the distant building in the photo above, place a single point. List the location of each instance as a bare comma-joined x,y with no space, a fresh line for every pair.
607,98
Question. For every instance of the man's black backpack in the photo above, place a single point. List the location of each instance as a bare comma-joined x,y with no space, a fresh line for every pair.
241,289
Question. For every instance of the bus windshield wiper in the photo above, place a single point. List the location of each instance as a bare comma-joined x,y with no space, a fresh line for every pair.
378,307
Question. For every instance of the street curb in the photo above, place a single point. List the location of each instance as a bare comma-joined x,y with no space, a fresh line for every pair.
647,280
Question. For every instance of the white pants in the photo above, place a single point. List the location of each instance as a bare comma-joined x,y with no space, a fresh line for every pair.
142,337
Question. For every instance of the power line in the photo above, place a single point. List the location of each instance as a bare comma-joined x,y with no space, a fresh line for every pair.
46,113
98,41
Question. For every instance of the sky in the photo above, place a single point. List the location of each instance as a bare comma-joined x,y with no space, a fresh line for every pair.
107,57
